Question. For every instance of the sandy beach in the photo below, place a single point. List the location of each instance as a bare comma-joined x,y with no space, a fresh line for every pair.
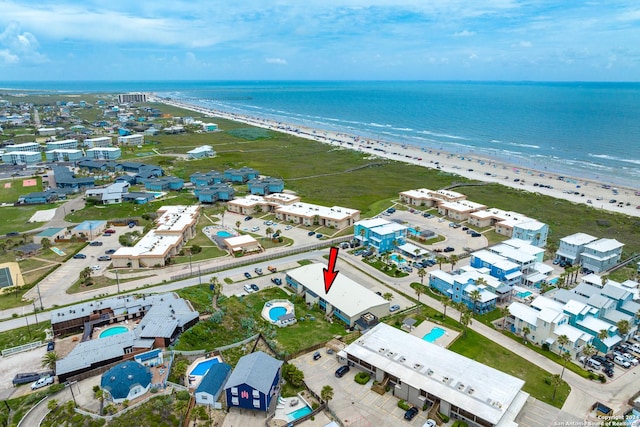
578,190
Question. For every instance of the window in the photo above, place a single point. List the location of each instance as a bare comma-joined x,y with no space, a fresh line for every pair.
256,403
234,401
256,394
234,391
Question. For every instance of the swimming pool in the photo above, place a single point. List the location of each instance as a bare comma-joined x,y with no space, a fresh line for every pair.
299,413
203,367
224,234
116,330
395,258
434,334
553,281
523,295
276,312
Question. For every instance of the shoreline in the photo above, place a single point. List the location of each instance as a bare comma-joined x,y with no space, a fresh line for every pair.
588,192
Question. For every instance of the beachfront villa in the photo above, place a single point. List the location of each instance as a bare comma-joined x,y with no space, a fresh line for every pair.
126,381
459,210
590,252
108,195
380,234
460,287
265,185
213,193
64,178
430,198
207,178
201,152
175,225
241,175
512,224
497,266
427,375
347,301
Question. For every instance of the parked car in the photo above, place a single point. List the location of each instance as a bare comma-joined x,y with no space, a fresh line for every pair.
448,249
79,256
95,267
411,413
608,372
276,281
104,258
311,233
619,360
95,243
319,236
272,269
429,423
316,355
110,251
475,234
45,381
248,218
341,371
12,234
288,227
247,288
51,346
132,224
247,275
254,287
256,228
394,307
109,231
258,271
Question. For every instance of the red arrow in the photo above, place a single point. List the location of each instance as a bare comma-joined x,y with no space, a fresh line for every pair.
330,273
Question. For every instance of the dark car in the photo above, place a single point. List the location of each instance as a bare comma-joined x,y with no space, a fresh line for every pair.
411,413
311,233
247,275
132,224
104,258
25,378
341,371
247,218
608,371
79,256
12,234
448,249
255,287
110,251
276,281
51,346
475,234
319,236
316,355
96,243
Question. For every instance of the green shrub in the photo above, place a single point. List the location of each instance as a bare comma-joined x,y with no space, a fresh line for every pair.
403,405
460,423
315,405
444,417
362,378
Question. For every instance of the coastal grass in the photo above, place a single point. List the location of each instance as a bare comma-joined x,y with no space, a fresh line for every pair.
16,189
24,334
14,218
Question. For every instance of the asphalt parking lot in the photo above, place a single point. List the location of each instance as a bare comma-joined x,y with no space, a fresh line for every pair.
353,403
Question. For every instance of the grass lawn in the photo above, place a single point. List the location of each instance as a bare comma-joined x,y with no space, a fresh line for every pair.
483,350
10,194
14,218
389,269
24,334
100,282
242,319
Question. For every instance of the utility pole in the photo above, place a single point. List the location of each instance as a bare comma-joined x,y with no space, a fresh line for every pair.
39,296
35,312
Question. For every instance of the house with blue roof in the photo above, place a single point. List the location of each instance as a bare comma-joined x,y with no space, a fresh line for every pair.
460,287
499,266
241,175
381,234
126,381
214,193
212,383
266,185
150,358
64,178
40,197
165,183
254,383
207,178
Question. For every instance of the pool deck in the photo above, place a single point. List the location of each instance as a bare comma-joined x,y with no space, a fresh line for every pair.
282,409
425,327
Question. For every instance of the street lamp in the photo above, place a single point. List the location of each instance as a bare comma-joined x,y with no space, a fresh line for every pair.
190,266
35,311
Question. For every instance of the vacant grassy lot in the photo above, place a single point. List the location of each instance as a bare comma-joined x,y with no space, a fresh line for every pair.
11,190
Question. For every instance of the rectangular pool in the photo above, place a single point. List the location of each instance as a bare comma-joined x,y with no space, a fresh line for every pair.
299,413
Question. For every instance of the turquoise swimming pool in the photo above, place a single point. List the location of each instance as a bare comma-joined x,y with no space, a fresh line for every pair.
276,312
523,295
116,330
299,413
224,234
397,259
434,334
203,367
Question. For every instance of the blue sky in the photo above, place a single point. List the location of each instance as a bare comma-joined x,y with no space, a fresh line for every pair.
320,39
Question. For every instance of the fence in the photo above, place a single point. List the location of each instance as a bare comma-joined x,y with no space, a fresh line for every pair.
21,348
251,259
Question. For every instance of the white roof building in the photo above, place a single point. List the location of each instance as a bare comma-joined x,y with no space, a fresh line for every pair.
425,371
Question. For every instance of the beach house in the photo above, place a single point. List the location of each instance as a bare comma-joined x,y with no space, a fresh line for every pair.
254,383
241,175
201,152
126,381
65,179
265,185
477,290
498,266
207,178
601,255
213,193
212,384
571,247
430,198
111,194
380,234
347,301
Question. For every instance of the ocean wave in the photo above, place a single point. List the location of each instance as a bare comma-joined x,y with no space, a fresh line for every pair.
614,158
519,144
378,125
443,135
403,129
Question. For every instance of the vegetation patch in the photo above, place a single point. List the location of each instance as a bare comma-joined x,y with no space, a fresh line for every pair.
251,133
362,378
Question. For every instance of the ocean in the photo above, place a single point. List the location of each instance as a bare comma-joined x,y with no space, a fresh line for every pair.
586,130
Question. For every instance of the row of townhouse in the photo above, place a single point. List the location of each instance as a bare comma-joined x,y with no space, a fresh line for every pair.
580,314
455,205
591,253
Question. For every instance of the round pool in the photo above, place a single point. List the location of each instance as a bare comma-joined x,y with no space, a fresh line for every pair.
116,330
276,312
224,234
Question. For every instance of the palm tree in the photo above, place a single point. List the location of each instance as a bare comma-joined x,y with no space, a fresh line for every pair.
418,290
504,312
85,274
588,351
46,243
623,328
562,341
604,280
238,223
217,290
446,302
465,319
475,296
440,260
421,273
556,380
602,335
388,296
453,260
525,331
268,231
326,393
49,360
566,356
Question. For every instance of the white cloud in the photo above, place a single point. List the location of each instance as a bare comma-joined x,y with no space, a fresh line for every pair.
19,46
277,61
464,33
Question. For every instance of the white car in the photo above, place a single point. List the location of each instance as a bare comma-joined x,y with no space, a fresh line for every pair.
429,423
256,228
288,227
95,267
41,383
